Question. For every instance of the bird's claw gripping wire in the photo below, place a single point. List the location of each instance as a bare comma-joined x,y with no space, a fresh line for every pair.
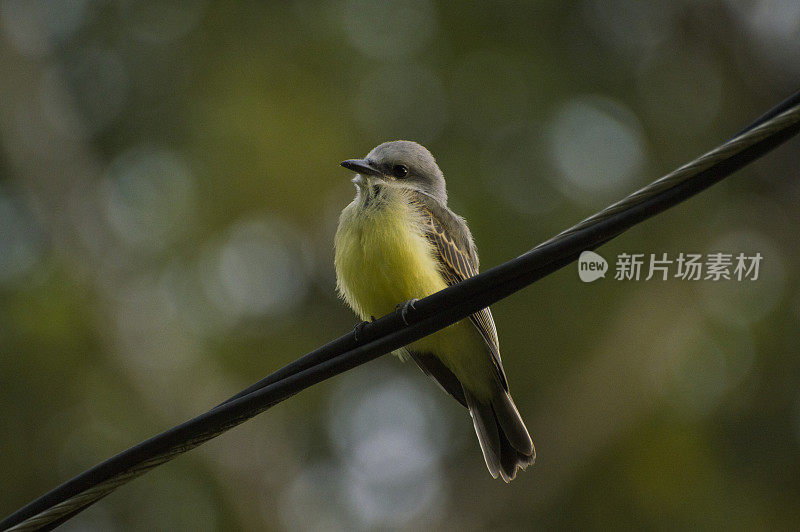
403,309
360,327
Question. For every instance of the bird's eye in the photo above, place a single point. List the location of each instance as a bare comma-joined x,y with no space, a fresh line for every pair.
399,170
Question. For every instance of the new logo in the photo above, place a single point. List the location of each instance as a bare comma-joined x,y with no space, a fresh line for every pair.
591,266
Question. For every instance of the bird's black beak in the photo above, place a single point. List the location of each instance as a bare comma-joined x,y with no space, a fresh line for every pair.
360,166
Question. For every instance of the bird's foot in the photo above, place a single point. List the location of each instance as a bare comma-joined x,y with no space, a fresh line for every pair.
360,327
404,308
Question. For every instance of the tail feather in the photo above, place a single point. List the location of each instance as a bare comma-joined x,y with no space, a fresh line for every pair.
509,419
504,440
487,430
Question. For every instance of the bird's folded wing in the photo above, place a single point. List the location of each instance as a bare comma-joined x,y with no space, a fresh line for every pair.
457,264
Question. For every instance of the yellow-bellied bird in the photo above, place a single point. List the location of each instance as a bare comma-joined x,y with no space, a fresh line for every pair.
398,241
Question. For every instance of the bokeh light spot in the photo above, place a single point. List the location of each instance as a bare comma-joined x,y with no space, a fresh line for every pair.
20,243
390,441
149,197
598,147
774,26
257,269
390,29
35,27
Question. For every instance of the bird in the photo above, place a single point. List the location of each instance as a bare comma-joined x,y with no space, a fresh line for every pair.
397,242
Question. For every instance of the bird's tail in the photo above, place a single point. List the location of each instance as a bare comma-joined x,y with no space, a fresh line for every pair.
504,440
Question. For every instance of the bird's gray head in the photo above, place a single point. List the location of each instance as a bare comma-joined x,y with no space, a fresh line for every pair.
400,163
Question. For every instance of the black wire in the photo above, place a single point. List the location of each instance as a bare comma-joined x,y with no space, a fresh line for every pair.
785,105
389,333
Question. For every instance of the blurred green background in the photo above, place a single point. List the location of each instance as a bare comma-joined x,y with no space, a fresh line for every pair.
169,190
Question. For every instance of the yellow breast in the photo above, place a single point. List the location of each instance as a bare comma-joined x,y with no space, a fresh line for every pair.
383,258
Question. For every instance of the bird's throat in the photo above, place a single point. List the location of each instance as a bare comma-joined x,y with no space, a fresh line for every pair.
371,193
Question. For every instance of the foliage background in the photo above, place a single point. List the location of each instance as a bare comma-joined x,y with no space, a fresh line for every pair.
169,190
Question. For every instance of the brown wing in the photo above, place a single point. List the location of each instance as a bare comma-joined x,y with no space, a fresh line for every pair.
457,264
